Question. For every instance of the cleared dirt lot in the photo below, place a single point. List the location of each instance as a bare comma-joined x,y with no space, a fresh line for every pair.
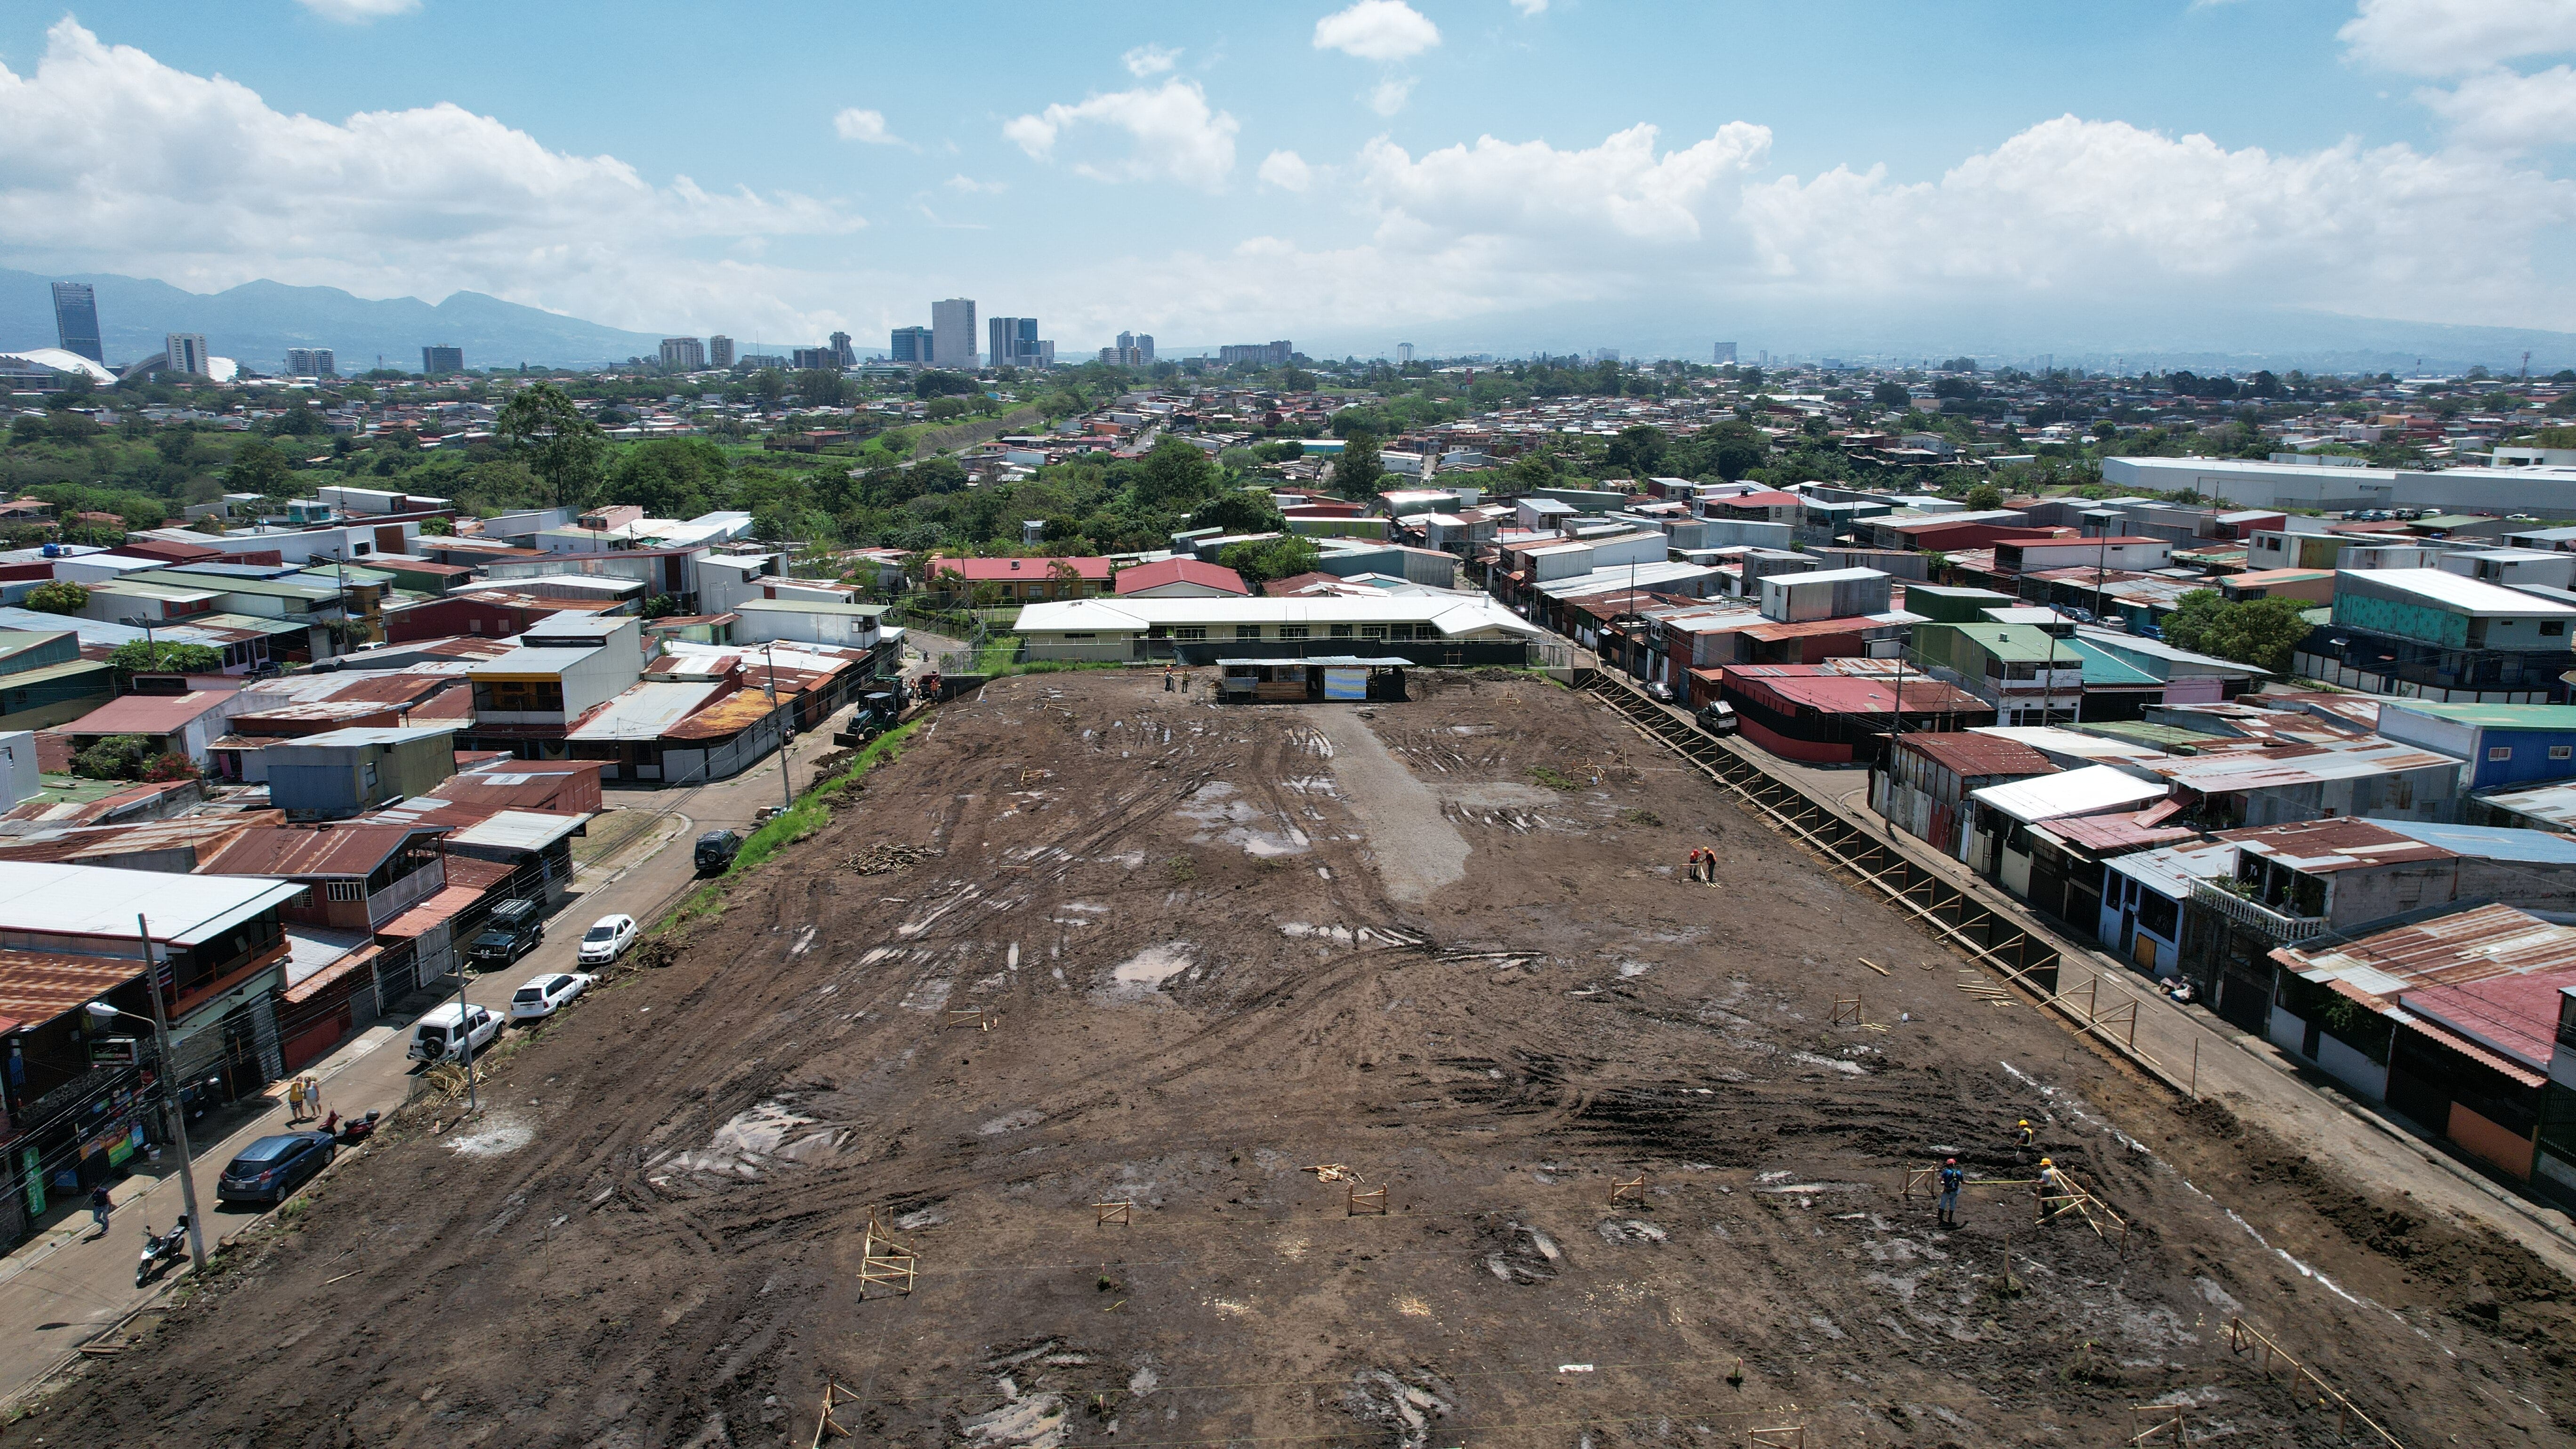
1223,947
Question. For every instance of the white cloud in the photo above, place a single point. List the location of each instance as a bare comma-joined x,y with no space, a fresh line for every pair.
1530,188
117,162
1389,95
970,186
2509,111
1377,30
359,12
855,124
2456,37
1172,135
1530,7
1287,171
1149,60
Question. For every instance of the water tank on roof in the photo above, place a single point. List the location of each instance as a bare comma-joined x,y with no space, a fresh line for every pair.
53,550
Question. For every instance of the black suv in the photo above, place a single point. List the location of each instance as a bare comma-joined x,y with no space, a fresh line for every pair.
716,850
510,932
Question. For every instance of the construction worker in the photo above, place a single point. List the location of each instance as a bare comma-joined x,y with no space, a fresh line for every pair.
1170,680
2023,1136
1694,863
2053,1190
1952,1179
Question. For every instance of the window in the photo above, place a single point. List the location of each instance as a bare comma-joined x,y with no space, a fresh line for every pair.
1341,631
348,890
1372,631
1292,631
367,774
1190,631
1247,631
2552,628
2500,752
2560,752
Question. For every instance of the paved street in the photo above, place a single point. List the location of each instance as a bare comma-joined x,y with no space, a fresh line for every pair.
63,1286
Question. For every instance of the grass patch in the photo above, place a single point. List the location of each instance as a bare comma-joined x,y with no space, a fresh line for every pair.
1555,779
997,655
811,812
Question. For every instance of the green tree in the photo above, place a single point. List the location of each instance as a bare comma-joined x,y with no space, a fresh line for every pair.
257,467
943,409
1266,560
163,656
1358,473
564,448
1245,510
1176,475
769,385
1639,448
2260,632
58,597
1985,496
821,387
118,757
1891,396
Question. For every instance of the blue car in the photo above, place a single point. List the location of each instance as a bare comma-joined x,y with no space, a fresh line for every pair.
272,1167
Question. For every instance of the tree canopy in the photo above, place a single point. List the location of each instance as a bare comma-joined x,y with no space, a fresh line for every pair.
562,447
2260,632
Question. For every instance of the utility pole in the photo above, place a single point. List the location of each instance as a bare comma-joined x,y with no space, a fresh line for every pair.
170,1098
465,1043
786,729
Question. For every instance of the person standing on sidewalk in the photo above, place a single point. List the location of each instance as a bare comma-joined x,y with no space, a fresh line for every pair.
312,1095
295,1099
100,1205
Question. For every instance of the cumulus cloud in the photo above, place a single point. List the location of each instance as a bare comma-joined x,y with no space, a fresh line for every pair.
1149,60
117,162
2507,111
968,185
1172,135
359,12
1389,95
1377,30
1530,7
855,124
1530,188
1287,171
2456,37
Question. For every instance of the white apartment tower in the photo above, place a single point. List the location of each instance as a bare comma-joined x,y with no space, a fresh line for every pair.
952,334
187,352
684,354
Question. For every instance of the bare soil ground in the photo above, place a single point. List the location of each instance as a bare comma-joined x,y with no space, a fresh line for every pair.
1223,947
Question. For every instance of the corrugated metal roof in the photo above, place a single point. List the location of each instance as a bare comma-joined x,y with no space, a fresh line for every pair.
148,714
327,850
2485,943
2118,831
643,711
2170,870
2490,842
520,829
2323,847
87,900
37,986
2076,792
2235,770
2554,803
1971,753
2516,1017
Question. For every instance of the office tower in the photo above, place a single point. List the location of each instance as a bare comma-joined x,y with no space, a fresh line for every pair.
814,359
1140,343
1403,353
76,319
911,347
187,353
1726,354
440,361
684,354
1274,354
1011,341
311,362
719,351
1046,354
842,352
1122,356
952,333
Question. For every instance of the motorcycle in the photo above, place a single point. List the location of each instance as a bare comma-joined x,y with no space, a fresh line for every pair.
353,1131
161,1248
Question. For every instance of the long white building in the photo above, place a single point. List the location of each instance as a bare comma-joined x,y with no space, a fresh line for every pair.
2543,491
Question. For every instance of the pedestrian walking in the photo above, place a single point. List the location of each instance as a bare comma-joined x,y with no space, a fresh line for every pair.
312,1095
100,1205
1952,1179
295,1099
1171,682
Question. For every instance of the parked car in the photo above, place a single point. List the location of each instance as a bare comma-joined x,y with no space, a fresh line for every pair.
272,1167
448,1029
716,850
539,996
1717,717
512,930
607,939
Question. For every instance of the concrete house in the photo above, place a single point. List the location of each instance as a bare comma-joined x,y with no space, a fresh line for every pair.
2498,744
339,773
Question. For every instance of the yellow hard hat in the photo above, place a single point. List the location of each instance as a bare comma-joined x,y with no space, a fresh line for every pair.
2024,1122
2047,1162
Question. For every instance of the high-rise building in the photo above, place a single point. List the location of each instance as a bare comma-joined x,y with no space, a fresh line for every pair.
1726,354
684,354
1403,353
187,353
764,361
1012,342
76,319
719,351
1122,357
911,347
311,362
814,359
1260,354
440,361
952,333
842,352
1141,343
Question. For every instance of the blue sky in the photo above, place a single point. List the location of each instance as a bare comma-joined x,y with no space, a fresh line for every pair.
1492,175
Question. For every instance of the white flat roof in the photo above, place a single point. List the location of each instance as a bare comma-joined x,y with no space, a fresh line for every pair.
519,830
1448,613
643,712
42,898
2076,792
2461,592
533,661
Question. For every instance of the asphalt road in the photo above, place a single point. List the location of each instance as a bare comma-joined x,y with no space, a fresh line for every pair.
66,1285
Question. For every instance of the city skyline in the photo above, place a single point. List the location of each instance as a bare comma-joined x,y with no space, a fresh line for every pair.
1379,177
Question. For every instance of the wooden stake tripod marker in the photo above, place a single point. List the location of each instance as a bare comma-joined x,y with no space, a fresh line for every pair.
2156,1423
1847,1011
1356,1204
1106,1213
883,1262
1786,1436
980,1018
1919,1180
1633,1190
2243,1337
834,1396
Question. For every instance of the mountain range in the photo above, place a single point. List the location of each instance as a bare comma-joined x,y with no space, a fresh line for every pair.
256,322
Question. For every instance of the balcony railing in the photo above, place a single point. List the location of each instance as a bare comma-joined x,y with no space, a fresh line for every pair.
2256,915
405,893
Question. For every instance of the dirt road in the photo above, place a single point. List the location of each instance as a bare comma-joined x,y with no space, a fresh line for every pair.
1634,1135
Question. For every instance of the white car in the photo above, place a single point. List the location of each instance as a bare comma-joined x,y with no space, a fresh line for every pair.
607,939
538,996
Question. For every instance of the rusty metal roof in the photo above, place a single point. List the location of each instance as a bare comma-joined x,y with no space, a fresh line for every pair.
1972,754
2296,764
37,986
2322,847
313,850
2516,1017
2111,834
2485,943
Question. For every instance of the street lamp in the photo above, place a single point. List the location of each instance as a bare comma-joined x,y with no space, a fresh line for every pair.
101,1011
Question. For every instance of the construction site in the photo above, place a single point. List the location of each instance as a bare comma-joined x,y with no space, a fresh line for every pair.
1123,1067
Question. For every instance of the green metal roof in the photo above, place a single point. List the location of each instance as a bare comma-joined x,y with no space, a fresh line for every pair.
2018,643
2560,717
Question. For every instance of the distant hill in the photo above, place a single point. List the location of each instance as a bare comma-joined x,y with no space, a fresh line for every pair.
256,322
